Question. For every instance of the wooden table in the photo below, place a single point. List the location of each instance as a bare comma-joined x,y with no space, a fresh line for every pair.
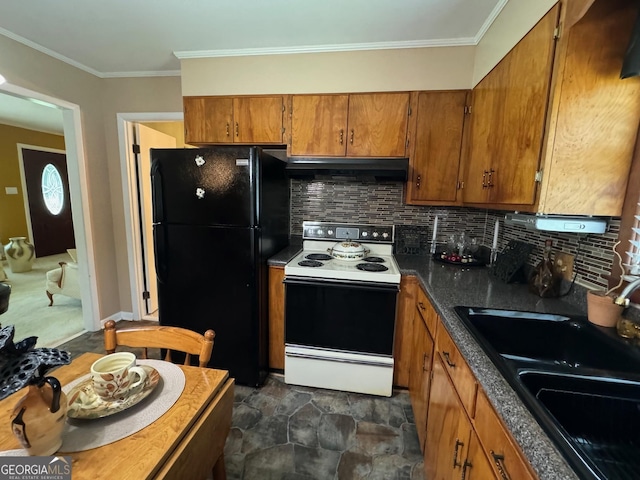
187,442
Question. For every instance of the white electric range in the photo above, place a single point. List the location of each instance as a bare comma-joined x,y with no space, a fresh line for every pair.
340,313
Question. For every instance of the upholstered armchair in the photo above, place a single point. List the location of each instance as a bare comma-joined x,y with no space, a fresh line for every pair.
63,280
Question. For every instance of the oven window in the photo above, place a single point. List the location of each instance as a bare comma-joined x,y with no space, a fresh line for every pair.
343,316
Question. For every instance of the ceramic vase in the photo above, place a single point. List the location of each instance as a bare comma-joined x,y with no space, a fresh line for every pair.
20,254
39,417
602,310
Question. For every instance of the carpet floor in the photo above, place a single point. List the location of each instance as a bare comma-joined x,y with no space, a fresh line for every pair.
29,310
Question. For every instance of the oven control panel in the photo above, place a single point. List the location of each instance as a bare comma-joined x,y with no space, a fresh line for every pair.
341,231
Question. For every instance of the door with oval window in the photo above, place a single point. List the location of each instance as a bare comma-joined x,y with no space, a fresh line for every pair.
49,201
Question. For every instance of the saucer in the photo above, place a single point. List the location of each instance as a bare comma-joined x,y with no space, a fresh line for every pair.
85,404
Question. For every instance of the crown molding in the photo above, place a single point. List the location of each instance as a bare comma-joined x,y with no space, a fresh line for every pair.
243,52
490,19
158,73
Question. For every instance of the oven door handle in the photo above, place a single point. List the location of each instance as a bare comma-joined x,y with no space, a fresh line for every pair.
338,360
342,283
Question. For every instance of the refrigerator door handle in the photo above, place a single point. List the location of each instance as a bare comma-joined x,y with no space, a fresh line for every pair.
159,233
156,191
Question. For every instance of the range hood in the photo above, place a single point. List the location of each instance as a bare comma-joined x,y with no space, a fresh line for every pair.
558,223
366,169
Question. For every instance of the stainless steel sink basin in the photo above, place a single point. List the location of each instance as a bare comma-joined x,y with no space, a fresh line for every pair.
581,382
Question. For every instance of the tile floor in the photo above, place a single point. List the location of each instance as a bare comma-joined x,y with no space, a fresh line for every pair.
285,432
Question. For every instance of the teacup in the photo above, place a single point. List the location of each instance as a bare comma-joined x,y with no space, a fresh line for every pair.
116,375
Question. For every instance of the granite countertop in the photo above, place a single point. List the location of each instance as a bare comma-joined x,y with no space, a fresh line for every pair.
448,286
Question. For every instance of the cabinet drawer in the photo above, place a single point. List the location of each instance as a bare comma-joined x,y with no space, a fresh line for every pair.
504,455
427,312
460,373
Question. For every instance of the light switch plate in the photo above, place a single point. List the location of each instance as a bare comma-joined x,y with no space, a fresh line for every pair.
11,190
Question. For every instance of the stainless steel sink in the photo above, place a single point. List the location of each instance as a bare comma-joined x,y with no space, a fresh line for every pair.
581,382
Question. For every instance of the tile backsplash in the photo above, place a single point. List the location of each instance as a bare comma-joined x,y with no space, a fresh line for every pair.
382,203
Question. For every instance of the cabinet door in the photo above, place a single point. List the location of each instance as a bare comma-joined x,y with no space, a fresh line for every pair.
420,375
447,429
276,318
476,465
377,124
319,125
508,120
435,161
208,119
258,119
403,338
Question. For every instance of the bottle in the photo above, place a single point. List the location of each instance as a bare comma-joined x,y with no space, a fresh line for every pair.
545,281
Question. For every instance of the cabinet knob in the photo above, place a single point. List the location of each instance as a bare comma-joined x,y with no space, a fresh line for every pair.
341,136
490,184
484,178
237,129
352,134
227,129
418,180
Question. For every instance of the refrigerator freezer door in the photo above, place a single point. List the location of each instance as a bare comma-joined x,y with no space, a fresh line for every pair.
211,186
207,278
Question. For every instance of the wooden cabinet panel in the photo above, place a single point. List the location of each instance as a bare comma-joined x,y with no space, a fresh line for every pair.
420,375
595,115
377,124
505,457
476,465
445,444
208,119
402,342
508,120
258,119
427,312
458,370
319,125
436,152
276,318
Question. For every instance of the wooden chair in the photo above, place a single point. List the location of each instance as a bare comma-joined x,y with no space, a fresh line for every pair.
154,336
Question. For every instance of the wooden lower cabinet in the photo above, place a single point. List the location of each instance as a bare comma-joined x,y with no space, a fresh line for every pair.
420,374
452,450
276,318
402,346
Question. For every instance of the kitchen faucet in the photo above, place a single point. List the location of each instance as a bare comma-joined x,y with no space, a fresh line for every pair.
622,298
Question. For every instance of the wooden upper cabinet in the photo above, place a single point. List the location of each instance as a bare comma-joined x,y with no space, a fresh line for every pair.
208,119
258,119
594,115
377,124
319,125
508,121
353,125
214,120
437,147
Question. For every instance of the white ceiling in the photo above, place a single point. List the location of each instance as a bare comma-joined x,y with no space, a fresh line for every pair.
124,38
136,38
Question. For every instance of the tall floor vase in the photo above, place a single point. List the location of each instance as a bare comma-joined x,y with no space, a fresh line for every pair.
20,254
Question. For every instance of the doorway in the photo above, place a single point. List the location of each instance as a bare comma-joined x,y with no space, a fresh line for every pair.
45,185
146,130
79,197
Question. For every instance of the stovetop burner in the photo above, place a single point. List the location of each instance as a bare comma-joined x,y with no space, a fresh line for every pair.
371,267
310,263
373,259
318,256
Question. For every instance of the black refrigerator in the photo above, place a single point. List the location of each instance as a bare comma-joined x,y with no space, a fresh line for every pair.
219,213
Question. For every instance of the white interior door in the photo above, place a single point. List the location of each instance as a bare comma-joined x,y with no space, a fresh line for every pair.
148,138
